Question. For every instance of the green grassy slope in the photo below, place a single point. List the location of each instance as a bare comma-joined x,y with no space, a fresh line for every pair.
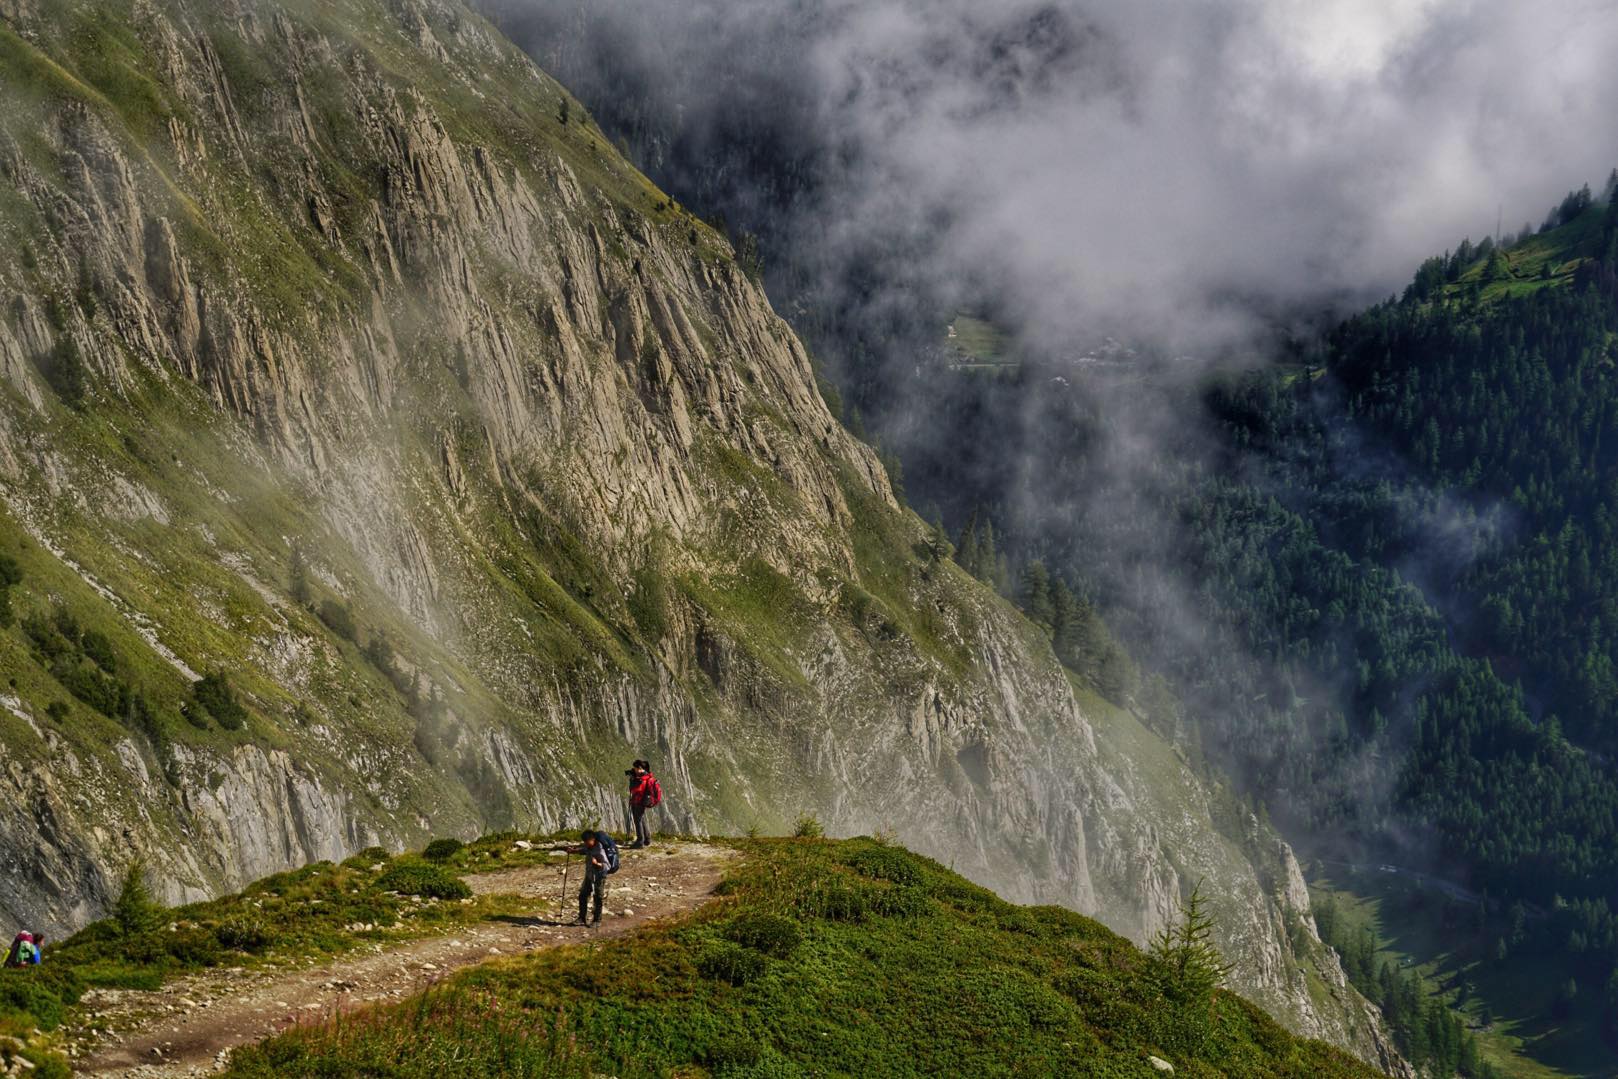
977,339
820,958
832,958
823,958
1549,259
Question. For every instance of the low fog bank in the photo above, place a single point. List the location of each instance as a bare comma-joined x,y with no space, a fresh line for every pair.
1152,168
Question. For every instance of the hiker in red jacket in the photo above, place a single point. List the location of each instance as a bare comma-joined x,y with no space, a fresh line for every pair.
644,793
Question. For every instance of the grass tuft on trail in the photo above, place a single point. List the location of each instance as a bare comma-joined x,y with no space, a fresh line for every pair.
819,958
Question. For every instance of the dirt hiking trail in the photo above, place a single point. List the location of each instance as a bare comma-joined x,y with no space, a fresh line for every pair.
189,1026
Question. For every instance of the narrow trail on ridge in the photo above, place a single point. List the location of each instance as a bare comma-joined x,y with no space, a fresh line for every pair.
189,1026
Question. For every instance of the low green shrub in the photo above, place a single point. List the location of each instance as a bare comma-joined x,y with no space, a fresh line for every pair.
214,694
365,911
905,902
339,619
47,1065
243,934
1018,920
724,961
966,897
21,992
423,879
835,901
193,947
46,638
774,935
885,863
366,858
99,649
442,850
732,1054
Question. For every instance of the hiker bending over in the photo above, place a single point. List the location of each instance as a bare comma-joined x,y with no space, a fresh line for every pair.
27,949
600,858
644,793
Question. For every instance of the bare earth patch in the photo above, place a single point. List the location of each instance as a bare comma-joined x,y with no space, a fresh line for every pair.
190,1025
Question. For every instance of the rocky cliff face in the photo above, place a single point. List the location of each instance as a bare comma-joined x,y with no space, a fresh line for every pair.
342,355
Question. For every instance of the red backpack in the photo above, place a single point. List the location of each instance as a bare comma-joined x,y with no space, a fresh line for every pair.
654,791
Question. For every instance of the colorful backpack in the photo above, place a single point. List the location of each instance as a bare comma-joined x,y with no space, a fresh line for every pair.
610,848
22,950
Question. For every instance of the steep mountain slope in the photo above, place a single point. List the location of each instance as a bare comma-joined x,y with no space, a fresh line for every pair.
346,364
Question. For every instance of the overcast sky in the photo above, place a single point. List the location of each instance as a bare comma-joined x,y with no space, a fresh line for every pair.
1136,163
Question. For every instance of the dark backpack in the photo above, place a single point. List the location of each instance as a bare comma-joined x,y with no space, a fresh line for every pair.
610,849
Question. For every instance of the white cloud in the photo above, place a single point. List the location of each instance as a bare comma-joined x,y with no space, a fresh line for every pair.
1136,163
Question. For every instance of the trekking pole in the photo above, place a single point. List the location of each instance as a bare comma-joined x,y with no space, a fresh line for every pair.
561,904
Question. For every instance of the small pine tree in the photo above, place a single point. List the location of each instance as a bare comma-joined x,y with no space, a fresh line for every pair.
66,372
301,593
1609,228
748,256
1035,595
85,294
339,619
938,545
1064,619
135,910
379,650
966,551
564,111
856,421
1189,966
10,575
215,696
988,558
